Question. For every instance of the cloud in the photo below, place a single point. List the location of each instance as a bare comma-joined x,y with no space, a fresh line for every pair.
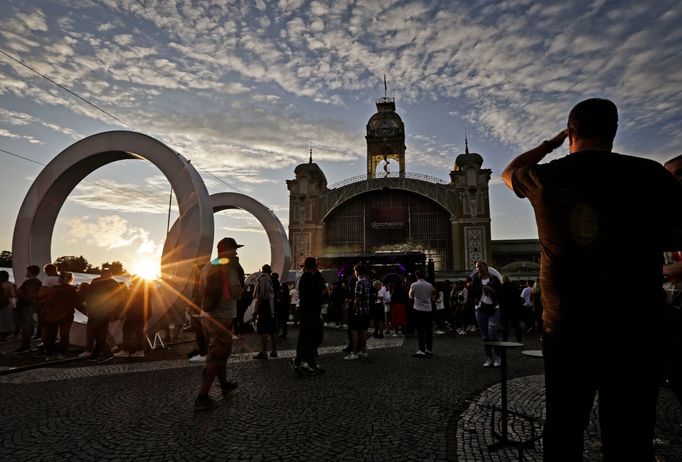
109,232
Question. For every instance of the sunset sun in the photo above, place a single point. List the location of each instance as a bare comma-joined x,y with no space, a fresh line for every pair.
146,268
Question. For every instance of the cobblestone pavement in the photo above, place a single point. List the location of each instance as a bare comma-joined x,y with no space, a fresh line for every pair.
390,406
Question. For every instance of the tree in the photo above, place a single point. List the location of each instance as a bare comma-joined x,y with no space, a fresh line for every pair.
5,259
73,264
115,266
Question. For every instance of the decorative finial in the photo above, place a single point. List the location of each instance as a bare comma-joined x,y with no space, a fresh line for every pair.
310,160
385,87
466,142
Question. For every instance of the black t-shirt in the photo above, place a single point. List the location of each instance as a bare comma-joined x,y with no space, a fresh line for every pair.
603,221
310,288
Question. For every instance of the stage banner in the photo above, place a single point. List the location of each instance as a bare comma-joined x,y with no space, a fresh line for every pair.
387,226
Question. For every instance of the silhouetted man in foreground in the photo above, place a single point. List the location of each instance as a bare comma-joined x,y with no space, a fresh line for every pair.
598,214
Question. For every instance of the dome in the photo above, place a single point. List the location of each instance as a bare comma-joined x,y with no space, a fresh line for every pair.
469,160
310,169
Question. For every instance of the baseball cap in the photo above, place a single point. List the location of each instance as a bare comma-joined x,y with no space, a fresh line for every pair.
228,243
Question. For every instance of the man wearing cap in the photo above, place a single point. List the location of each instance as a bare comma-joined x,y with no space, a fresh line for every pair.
310,289
263,311
221,287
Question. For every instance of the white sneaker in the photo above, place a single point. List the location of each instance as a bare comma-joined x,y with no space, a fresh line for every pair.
121,354
419,354
461,332
137,354
439,332
85,354
497,362
198,359
352,357
488,362
362,354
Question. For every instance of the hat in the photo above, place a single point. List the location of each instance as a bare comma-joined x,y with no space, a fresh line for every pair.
310,262
227,243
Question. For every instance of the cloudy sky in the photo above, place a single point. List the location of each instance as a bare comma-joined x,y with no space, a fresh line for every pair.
244,88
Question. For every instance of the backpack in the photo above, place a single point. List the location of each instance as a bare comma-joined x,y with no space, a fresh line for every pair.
213,290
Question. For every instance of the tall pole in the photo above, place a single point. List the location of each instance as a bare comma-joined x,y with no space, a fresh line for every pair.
170,202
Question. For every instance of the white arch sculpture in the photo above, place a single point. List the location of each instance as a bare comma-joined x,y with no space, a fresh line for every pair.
280,254
36,220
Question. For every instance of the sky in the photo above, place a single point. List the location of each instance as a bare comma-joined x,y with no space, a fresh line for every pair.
246,88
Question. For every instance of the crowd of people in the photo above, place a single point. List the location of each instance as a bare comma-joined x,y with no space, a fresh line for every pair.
583,222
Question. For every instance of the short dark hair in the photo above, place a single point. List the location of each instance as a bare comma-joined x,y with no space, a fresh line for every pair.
594,118
419,274
4,276
33,270
310,263
359,268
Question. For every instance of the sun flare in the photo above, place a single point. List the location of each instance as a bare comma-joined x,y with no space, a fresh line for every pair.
147,268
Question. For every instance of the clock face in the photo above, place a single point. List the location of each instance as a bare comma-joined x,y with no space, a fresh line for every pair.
385,128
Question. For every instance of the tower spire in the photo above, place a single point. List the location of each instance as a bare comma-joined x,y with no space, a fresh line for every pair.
466,142
385,87
310,159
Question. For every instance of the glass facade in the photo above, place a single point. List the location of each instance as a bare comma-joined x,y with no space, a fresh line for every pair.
390,221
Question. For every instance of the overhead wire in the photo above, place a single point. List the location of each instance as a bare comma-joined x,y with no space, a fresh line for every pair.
73,93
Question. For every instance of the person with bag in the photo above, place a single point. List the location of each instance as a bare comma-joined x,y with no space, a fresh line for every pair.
263,312
486,291
105,302
221,287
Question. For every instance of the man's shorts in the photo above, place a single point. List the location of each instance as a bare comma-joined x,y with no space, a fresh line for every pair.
265,322
219,332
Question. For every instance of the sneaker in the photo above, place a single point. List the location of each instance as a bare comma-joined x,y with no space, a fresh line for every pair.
121,354
388,332
85,354
488,362
22,351
419,354
205,404
428,352
137,354
261,355
227,388
497,362
351,357
362,354
273,354
296,368
439,332
198,359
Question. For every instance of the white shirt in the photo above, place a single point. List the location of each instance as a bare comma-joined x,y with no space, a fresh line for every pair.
440,303
421,292
525,295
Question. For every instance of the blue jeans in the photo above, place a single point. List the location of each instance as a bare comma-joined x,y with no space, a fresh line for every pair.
488,326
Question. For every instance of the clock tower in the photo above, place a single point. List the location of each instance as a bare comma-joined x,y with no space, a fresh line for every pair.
385,139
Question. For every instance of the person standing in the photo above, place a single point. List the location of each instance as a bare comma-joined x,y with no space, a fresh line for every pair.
221,287
263,312
510,309
283,310
104,302
422,292
310,288
136,312
58,315
584,205
359,319
486,290
51,279
27,304
7,305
